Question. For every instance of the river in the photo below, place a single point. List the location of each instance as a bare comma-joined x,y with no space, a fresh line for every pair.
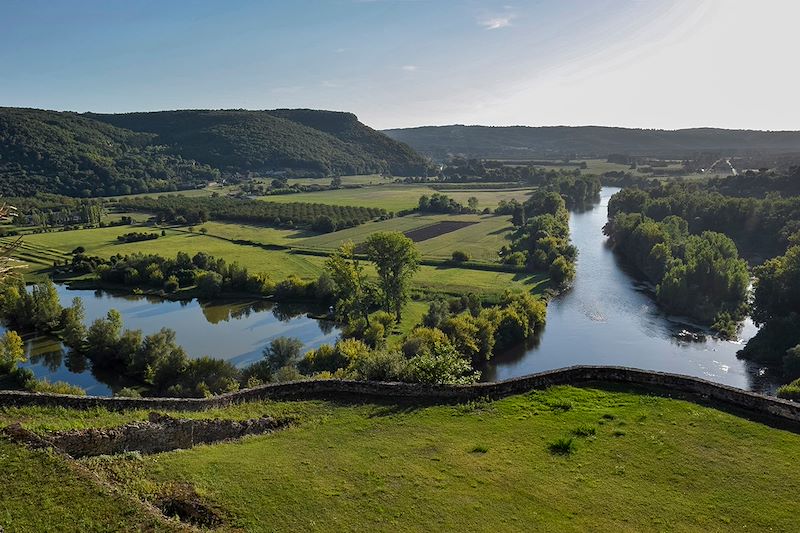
608,318
235,331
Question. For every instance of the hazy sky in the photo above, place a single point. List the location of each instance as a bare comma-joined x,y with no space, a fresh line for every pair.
397,63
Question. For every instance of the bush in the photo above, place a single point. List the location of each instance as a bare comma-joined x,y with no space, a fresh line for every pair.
323,224
790,391
172,284
209,284
59,387
127,392
460,257
380,365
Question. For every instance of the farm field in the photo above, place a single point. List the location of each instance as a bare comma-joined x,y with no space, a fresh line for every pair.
481,241
41,249
102,242
366,179
251,232
639,462
397,197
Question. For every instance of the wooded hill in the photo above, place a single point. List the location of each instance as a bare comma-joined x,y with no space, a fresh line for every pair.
93,154
522,142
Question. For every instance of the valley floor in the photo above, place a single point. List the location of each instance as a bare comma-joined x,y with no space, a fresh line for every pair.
639,462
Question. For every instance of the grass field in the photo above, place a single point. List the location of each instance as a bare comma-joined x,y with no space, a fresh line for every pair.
39,251
367,179
481,241
396,197
102,242
638,463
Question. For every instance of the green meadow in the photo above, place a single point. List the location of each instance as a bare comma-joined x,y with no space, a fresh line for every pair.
562,459
397,197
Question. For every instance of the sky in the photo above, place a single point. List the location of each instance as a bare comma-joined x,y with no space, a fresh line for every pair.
400,63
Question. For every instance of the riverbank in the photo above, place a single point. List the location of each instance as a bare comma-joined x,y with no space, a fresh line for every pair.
609,317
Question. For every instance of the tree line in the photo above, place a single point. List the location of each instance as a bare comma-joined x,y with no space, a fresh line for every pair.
761,227
540,241
184,210
700,276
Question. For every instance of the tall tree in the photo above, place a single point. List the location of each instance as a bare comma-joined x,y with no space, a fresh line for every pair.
352,292
396,260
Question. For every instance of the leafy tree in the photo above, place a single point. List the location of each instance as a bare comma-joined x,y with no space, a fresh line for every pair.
12,351
283,351
396,260
438,311
323,224
347,273
74,333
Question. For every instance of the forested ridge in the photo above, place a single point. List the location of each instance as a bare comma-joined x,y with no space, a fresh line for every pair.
519,142
95,155
303,139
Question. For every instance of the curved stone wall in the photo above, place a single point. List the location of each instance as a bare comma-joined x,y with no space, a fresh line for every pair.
349,390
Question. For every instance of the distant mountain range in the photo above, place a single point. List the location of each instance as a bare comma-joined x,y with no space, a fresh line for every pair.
522,142
103,154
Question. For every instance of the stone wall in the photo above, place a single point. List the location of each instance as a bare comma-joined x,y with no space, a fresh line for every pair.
408,392
160,433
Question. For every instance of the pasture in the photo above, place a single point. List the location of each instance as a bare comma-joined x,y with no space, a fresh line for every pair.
480,240
635,462
367,179
398,197
41,249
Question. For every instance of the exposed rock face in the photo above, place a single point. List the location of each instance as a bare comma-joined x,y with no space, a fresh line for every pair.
160,433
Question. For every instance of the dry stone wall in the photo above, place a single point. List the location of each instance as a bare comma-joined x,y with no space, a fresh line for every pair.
410,392
160,433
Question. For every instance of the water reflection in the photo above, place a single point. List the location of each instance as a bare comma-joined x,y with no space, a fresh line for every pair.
608,317
236,331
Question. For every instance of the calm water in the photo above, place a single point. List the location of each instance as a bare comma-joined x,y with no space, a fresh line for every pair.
237,332
609,318
606,318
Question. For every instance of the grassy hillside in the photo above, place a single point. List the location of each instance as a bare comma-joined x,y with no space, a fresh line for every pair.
637,463
520,142
106,155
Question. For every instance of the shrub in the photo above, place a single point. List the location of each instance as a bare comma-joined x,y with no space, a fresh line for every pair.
438,310
287,373
323,224
59,387
375,334
460,257
326,358
209,284
172,284
441,365
79,250
128,392
790,391
380,365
